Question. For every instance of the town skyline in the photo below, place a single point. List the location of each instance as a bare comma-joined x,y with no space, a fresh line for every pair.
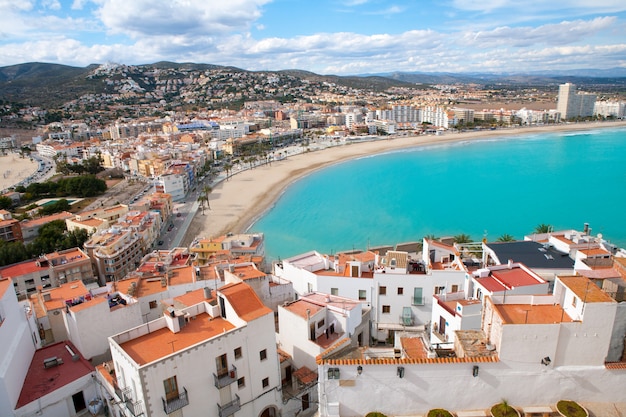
331,37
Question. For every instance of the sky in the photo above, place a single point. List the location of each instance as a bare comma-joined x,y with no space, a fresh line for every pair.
342,37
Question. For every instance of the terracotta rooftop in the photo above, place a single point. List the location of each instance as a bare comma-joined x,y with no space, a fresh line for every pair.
301,306
586,290
244,301
305,375
163,342
282,355
507,279
414,347
245,272
193,297
532,314
41,381
21,268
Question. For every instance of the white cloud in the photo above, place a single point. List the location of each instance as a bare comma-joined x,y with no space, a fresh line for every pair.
139,18
51,4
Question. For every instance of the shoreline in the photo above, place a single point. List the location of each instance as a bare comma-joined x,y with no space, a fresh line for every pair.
238,202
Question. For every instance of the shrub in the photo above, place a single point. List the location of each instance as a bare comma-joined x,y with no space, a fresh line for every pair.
503,409
571,409
439,412
375,414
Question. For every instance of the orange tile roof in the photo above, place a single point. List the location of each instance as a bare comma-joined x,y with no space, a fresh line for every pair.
193,297
282,355
245,272
595,252
305,375
161,343
414,347
20,269
244,301
586,290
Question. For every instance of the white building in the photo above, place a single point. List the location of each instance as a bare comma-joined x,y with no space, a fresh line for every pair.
19,341
572,104
532,350
615,109
208,359
173,184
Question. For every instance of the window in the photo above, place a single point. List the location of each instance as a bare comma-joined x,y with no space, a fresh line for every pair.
455,288
573,301
305,401
440,290
418,299
266,382
320,324
333,373
221,364
171,388
263,354
362,294
386,309
382,291
400,290
153,304
334,291
238,352
241,382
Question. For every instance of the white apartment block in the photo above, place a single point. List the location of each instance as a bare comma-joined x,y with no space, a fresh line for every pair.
174,184
213,358
615,109
436,116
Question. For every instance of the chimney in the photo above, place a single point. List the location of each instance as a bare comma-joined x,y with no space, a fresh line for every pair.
207,293
510,264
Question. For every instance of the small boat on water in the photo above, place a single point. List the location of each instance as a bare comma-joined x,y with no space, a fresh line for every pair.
94,406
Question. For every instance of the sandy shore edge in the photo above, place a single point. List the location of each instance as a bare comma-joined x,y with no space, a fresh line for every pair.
238,202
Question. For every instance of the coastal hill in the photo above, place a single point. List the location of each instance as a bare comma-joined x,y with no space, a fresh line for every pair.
53,85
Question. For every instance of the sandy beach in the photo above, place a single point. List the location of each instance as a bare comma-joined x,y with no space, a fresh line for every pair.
238,202
14,169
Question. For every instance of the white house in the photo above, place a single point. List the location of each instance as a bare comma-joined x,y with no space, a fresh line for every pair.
205,359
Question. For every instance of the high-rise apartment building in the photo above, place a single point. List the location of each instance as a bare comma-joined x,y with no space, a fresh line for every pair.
572,104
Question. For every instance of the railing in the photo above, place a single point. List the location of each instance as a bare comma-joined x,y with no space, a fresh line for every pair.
226,378
229,408
125,394
173,404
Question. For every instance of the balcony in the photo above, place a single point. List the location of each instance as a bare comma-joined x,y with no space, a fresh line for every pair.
126,396
225,378
173,404
229,408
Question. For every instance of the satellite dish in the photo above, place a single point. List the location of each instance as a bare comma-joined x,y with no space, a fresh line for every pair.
599,235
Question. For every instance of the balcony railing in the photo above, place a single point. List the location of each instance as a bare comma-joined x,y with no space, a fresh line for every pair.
173,404
125,394
225,378
229,408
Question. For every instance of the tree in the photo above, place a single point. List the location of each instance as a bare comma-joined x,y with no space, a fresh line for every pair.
207,190
543,228
5,202
227,168
202,199
505,238
462,238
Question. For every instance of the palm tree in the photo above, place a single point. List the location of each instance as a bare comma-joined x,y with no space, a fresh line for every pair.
462,238
543,228
202,199
431,237
506,238
207,190
227,168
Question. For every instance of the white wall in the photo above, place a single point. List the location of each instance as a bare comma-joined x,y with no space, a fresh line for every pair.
17,350
427,386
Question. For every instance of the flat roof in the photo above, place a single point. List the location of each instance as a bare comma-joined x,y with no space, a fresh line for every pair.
532,314
531,254
586,290
41,381
163,342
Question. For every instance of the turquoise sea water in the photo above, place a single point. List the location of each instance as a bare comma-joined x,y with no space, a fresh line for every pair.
481,188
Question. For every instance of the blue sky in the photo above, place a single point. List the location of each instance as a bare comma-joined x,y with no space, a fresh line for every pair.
324,36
